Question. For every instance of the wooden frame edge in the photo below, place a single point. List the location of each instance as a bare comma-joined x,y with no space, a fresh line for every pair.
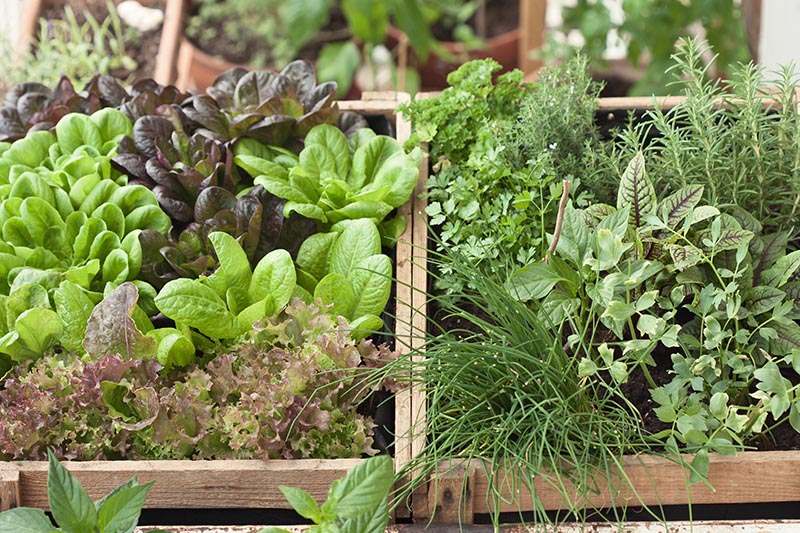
186,484
166,68
31,10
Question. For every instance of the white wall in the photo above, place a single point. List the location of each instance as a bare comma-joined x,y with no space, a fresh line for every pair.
10,18
779,42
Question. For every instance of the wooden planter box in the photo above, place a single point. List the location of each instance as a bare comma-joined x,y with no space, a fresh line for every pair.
747,477
189,68
225,484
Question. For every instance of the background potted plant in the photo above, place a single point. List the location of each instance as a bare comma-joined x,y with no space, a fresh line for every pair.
375,46
83,38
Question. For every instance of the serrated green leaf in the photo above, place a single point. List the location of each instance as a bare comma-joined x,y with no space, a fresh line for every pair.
70,505
119,511
363,488
302,502
25,520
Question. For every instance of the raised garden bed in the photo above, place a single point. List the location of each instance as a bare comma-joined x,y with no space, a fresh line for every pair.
240,483
460,491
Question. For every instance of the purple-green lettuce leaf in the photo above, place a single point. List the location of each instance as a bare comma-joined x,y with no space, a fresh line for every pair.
58,404
111,329
274,108
32,106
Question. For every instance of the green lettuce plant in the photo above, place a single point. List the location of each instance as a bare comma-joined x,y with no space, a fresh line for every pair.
357,503
226,304
336,179
74,511
66,217
347,271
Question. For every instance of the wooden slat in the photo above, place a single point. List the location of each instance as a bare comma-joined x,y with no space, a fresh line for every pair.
747,477
192,484
29,24
450,496
532,28
403,312
369,107
420,302
638,102
9,488
171,36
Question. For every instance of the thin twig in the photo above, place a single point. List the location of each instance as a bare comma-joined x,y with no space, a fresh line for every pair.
562,207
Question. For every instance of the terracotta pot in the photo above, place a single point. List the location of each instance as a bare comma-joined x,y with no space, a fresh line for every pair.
504,48
197,70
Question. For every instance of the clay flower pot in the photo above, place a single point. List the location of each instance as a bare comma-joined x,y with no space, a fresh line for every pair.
504,48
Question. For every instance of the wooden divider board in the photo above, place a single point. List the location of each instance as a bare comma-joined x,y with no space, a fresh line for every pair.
748,477
189,484
230,483
165,71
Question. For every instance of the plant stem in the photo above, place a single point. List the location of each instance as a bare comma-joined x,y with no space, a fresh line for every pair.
562,206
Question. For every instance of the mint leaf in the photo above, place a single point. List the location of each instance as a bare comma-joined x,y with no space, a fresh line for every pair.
119,511
69,503
25,520
363,488
302,502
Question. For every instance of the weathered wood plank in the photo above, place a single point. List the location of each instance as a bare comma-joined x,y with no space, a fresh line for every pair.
369,107
9,488
747,477
532,30
403,312
450,496
420,302
171,35
192,484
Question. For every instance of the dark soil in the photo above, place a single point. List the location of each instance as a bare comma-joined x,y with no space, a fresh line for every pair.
500,16
142,47
637,390
614,85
